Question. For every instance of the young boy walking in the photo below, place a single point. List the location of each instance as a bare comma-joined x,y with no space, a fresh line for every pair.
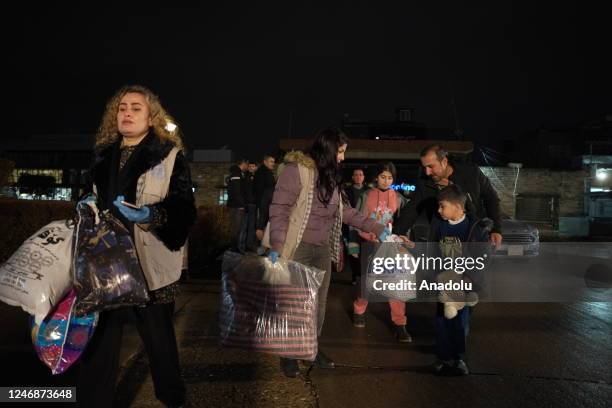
455,227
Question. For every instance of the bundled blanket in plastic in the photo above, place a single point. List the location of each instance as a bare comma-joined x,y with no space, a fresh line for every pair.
37,276
270,308
107,273
62,337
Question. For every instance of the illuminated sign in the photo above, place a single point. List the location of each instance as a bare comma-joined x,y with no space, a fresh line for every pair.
403,187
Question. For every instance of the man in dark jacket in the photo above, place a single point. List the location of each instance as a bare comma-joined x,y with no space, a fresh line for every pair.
236,202
482,198
264,188
251,213
357,188
353,193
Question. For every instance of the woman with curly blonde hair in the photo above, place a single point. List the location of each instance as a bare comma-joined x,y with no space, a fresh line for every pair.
161,121
142,177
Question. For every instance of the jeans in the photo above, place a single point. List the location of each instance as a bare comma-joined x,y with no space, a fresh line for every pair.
451,334
318,257
355,264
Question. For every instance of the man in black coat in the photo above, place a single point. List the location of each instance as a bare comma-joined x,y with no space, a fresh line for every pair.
236,202
357,188
439,173
264,188
353,193
251,213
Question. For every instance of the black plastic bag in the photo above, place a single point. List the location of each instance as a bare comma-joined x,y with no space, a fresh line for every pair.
107,274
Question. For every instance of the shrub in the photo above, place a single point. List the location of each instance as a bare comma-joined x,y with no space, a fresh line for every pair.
6,168
19,219
210,235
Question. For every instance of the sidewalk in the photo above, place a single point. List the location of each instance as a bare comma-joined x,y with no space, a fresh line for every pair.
520,355
214,376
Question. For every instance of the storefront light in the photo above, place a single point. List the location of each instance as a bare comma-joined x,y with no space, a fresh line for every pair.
601,175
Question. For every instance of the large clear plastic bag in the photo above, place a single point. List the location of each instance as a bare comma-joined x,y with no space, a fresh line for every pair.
37,276
394,275
62,336
271,308
107,273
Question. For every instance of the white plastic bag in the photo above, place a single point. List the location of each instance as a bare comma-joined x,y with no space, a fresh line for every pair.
37,276
390,248
276,273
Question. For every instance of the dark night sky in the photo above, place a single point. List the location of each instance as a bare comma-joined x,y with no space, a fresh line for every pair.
233,73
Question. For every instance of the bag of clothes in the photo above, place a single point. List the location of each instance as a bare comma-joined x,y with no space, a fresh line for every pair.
61,338
271,308
391,248
37,276
107,273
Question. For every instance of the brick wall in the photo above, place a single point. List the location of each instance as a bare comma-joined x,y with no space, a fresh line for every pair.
208,177
567,185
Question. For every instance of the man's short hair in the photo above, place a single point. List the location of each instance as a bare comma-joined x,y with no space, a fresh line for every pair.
268,156
453,194
358,168
242,160
435,148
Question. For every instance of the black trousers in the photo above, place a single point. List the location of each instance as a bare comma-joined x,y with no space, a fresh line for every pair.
99,365
238,220
251,239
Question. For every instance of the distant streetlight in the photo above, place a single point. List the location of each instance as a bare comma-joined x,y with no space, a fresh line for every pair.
170,127
377,137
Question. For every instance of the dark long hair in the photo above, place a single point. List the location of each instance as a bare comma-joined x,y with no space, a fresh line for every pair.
386,166
324,151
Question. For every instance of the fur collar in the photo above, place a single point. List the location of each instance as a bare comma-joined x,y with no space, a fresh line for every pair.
298,157
150,152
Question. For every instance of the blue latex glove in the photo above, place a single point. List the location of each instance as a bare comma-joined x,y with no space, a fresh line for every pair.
273,255
383,236
138,216
89,198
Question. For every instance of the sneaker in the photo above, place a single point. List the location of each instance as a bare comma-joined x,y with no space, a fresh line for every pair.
289,367
460,368
442,367
323,361
402,335
359,320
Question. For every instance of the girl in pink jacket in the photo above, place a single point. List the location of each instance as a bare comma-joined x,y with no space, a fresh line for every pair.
381,203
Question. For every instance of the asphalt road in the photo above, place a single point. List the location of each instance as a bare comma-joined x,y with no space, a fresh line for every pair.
520,355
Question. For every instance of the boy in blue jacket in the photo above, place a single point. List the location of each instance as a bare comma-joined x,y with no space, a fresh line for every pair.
451,229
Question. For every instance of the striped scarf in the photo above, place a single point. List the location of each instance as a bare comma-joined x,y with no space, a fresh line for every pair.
336,234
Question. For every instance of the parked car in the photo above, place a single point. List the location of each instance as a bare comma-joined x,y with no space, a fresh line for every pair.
519,239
